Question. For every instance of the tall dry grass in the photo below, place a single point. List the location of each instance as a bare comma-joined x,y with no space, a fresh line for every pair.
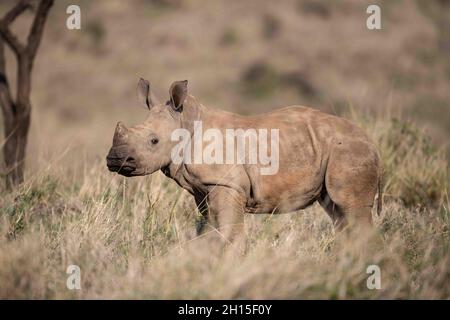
132,238
135,238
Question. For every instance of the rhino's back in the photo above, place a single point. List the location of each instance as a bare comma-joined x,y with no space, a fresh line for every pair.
307,138
300,117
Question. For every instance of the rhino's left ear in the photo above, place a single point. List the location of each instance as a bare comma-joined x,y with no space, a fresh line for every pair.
144,94
178,93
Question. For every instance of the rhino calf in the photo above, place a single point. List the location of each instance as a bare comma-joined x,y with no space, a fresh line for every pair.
321,158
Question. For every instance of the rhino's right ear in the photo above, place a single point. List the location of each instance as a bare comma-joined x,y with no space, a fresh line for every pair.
178,93
144,94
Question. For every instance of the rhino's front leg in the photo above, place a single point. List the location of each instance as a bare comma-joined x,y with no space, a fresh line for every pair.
225,213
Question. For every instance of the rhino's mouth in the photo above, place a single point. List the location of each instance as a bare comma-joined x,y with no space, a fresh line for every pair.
124,165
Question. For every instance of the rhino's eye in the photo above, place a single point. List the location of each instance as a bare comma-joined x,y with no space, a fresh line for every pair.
154,140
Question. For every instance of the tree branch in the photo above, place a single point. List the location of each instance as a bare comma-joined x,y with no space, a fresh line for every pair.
15,12
12,41
7,20
35,35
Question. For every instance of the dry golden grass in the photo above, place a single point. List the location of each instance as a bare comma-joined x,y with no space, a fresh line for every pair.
134,238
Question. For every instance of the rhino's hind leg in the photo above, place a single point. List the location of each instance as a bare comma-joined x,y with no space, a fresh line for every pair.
351,182
337,216
351,193
341,216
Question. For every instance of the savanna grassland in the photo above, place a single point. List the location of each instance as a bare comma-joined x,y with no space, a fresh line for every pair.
135,238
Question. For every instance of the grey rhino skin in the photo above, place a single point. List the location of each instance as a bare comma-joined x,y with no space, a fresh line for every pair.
322,158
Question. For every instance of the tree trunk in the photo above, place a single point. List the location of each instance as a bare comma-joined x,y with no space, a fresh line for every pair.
14,150
17,114
16,118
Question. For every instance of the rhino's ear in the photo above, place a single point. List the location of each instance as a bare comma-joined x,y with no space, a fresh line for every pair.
178,93
144,94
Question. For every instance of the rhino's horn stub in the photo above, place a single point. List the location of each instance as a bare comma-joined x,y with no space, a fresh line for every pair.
120,133
121,126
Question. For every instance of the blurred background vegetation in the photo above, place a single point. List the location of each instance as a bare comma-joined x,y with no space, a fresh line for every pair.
130,237
245,56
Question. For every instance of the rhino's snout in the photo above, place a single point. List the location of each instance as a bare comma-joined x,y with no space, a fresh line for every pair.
119,161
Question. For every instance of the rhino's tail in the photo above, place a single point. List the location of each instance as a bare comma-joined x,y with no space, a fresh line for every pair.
380,193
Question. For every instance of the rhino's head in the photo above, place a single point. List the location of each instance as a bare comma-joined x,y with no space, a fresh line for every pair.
146,148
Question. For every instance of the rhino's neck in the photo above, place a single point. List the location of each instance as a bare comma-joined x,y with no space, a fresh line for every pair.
193,111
